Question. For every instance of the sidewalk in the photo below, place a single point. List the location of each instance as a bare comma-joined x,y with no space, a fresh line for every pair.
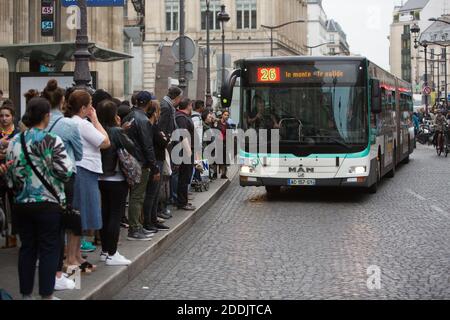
106,281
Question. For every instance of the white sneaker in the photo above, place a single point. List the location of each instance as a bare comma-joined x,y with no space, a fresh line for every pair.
50,298
103,256
117,252
64,283
117,260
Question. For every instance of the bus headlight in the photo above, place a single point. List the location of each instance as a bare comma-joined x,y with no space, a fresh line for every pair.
357,170
247,170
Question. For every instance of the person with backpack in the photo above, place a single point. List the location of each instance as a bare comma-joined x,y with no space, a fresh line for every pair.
113,185
40,168
141,134
68,131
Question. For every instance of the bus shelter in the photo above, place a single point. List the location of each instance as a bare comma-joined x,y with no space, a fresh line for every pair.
47,60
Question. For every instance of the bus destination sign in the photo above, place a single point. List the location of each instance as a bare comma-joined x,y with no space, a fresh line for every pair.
269,75
309,74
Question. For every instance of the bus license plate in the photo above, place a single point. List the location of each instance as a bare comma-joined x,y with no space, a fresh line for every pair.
302,182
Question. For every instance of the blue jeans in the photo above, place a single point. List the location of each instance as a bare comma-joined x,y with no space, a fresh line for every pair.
174,187
152,198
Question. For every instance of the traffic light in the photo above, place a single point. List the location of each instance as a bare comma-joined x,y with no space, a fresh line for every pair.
47,18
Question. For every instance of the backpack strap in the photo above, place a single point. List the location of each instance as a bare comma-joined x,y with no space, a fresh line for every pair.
47,185
54,124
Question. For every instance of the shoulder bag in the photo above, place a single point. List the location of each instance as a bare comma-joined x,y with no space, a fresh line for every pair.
129,166
71,218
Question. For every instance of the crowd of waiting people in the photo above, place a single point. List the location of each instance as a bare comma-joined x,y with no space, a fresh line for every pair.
75,161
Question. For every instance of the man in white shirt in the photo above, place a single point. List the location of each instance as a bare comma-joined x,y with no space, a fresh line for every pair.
196,117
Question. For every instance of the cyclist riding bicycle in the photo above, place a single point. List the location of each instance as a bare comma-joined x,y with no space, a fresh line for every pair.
439,123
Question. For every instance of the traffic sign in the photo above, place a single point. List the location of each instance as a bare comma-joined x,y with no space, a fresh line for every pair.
95,3
189,51
427,91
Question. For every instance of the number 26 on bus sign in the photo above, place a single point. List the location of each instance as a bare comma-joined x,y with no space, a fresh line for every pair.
269,74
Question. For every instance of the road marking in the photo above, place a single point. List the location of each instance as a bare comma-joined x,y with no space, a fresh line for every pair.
418,196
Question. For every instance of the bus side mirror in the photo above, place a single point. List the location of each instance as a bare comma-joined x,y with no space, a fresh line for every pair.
226,93
375,96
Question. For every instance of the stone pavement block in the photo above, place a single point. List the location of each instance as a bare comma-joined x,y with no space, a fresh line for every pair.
315,244
107,281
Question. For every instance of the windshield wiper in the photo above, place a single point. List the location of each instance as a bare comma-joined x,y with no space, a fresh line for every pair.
339,141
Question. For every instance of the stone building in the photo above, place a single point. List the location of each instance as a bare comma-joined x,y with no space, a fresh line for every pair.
245,38
20,24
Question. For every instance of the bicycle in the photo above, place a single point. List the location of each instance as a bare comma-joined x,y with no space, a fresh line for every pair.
440,143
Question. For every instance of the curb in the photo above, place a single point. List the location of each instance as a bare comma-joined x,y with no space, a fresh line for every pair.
115,282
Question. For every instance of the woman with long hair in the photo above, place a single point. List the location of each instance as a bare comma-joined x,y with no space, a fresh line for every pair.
40,167
7,131
68,131
112,183
86,191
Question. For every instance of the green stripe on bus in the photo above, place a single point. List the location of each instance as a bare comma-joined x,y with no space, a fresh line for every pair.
361,154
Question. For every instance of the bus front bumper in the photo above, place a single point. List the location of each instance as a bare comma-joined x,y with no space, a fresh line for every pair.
332,182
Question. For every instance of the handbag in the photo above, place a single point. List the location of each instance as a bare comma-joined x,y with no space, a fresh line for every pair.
130,167
71,218
167,169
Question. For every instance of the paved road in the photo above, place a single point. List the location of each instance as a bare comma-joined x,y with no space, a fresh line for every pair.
315,245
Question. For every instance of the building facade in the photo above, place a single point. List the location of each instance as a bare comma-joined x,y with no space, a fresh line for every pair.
244,38
317,29
408,62
338,45
20,24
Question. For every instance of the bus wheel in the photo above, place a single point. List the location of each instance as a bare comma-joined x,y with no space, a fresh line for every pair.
374,188
391,173
273,190
406,160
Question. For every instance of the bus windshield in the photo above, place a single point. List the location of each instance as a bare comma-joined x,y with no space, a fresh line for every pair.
313,115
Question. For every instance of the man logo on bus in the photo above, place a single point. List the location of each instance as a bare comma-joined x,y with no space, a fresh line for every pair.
301,169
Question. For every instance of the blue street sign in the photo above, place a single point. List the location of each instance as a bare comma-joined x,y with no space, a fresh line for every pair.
95,3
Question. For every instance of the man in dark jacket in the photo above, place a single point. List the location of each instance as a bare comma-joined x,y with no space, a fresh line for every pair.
141,134
167,125
168,109
184,121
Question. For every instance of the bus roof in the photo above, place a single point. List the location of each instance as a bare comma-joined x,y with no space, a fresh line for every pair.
290,59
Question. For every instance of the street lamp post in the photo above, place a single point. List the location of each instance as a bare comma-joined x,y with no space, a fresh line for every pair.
223,17
182,76
82,75
319,45
444,53
439,60
271,28
415,29
208,58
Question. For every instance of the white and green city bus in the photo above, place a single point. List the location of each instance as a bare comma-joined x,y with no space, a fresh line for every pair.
343,121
